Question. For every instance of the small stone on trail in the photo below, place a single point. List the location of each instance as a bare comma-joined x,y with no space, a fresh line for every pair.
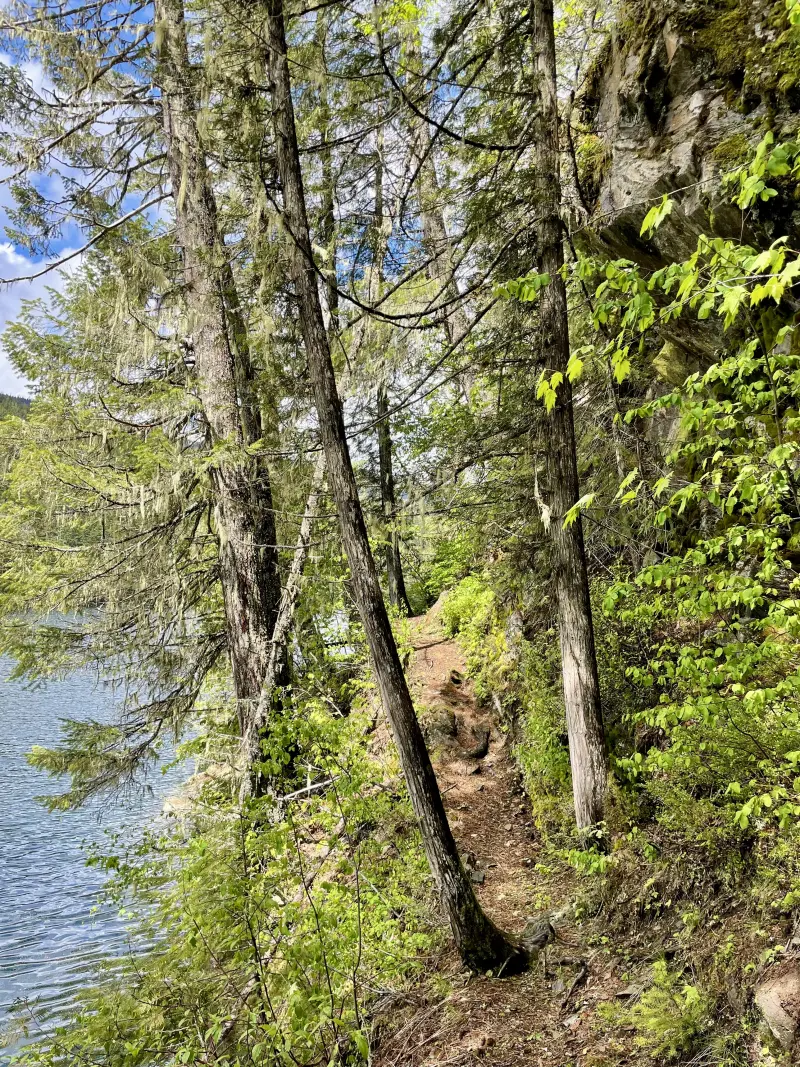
477,877
464,768
629,991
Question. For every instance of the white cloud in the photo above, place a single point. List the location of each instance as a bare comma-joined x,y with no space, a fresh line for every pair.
13,264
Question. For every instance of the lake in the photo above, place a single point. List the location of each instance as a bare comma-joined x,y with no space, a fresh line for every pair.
49,937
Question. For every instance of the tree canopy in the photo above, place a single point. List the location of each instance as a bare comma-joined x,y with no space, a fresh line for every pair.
353,311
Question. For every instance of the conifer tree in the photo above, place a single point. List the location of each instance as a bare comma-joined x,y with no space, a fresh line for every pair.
479,942
243,495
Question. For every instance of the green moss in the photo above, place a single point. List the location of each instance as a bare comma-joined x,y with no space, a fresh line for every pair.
670,364
593,161
755,65
728,35
732,152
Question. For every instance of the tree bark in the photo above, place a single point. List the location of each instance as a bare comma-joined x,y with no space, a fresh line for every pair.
244,515
578,659
327,222
379,243
280,636
480,943
398,596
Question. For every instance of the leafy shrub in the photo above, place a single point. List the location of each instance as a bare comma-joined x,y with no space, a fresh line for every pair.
451,562
468,610
269,927
671,1016
669,1019
523,678
714,618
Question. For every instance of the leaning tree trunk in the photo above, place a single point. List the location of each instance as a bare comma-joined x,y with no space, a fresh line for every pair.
245,519
280,637
480,943
578,660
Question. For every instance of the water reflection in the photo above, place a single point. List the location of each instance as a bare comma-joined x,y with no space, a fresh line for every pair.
50,937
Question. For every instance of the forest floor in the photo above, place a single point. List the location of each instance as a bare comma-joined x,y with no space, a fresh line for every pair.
449,1016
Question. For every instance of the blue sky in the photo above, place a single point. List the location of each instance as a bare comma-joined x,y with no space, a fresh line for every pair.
14,261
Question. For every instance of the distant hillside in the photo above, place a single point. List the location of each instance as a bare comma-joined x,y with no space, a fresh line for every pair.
13,405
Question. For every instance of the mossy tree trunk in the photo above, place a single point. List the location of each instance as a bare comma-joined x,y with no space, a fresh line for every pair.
244,514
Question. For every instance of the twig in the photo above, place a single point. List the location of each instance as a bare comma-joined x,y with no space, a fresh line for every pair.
307,790
577,981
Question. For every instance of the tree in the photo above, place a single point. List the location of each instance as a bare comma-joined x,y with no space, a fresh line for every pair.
245,514
576,631
106,522
479,942
379,335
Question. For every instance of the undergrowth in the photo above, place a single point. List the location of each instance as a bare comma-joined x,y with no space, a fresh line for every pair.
271,932
680,873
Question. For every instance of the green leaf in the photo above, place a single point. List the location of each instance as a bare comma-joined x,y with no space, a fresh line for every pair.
656,215
574,368
731,302
362,1045
574,512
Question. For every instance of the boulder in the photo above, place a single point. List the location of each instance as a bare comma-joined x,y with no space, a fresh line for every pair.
778,1000
480,742
441,726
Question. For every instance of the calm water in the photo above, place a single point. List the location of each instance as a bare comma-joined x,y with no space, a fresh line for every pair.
49,936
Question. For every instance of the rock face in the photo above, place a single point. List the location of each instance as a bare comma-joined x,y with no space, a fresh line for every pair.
679,94
778,1000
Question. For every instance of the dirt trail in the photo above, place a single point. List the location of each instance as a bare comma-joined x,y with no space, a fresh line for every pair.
534,1019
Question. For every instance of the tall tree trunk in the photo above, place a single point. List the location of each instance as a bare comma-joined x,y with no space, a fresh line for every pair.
245,519
379,243
395,580
480,943
327,223
578,659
